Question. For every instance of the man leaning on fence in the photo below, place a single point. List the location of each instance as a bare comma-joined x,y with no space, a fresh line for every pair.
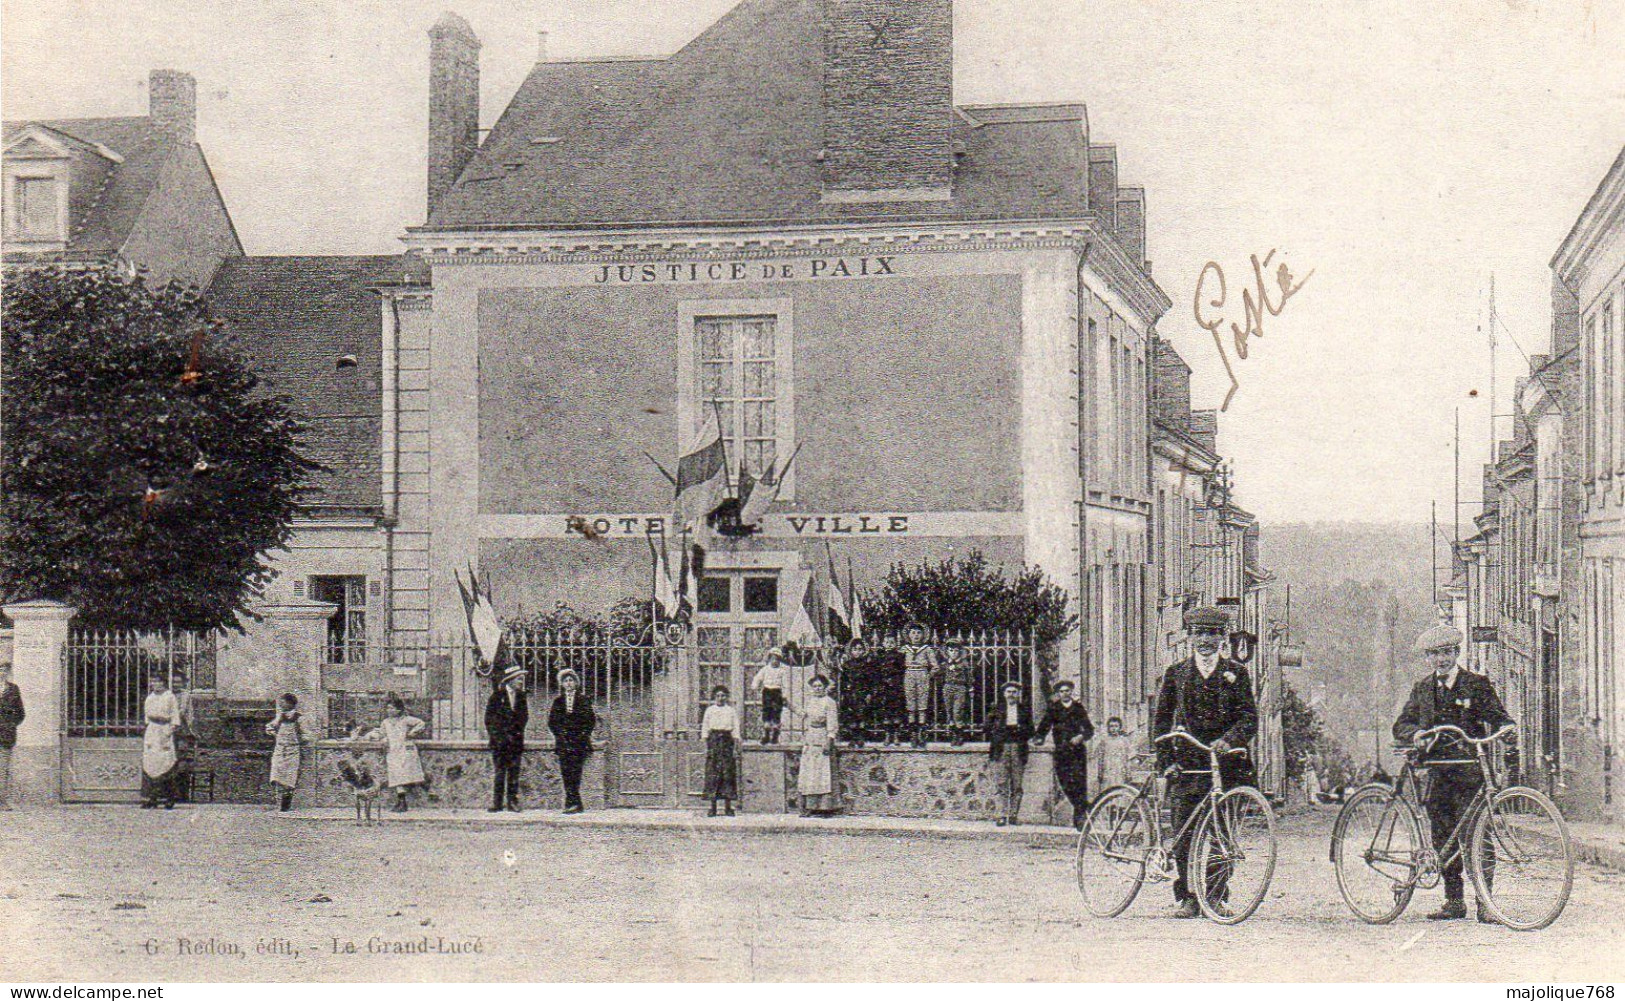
1009,728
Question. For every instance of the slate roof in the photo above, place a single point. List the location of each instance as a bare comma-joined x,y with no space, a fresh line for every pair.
105,219
729,129
292,318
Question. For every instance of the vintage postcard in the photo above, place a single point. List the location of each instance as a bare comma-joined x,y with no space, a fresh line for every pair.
812,490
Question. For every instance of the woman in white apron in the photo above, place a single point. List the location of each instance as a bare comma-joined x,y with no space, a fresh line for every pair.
816,782
285,754
404,766
158,756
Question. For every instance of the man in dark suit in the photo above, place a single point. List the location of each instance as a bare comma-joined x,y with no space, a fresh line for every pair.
506,714
11,717
1449,695
571,720
1009,728
1211,697
1070,723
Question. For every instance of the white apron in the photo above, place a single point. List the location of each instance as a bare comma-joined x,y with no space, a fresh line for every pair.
400,754
817,777
285,755
158,741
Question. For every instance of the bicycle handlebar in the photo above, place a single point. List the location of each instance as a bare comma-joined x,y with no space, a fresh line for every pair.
1434,733
1198,744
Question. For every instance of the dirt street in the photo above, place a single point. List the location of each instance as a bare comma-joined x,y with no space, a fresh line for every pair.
93,894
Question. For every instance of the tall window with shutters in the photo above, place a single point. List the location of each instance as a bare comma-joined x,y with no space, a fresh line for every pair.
738,376
735,359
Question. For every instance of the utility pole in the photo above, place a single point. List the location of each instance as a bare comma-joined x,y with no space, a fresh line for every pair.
1492,367
1433,550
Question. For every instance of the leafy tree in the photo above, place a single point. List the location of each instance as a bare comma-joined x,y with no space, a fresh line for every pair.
1301,730
968,593
144,472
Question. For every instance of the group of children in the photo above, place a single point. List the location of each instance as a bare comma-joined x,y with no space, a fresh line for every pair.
403,768
888,690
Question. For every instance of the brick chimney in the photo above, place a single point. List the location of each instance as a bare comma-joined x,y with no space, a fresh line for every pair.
888,100
1204,427
1131,224
1171,386
454,102
1103,185
172,103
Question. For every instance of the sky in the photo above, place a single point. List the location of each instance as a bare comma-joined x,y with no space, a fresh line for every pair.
1402,152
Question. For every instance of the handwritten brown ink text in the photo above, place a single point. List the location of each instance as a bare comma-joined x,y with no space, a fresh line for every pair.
1255,308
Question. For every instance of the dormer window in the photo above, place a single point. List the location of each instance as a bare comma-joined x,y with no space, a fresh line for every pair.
36,204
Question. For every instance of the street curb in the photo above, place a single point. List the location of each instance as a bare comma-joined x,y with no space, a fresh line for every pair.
1608,856
694,824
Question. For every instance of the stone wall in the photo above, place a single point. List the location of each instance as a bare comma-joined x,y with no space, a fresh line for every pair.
954,783
459,776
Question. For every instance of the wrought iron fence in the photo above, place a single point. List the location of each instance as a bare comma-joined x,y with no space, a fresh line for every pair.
883,700
663,683
107,671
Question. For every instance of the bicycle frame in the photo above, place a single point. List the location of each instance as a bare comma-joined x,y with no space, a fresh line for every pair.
1151,793
1405,792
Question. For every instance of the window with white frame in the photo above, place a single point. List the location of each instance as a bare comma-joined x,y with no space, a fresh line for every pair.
35,204
736,360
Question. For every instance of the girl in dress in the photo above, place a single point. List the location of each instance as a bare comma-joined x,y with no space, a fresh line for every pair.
158,753
285,754
816,783
720,725
404,767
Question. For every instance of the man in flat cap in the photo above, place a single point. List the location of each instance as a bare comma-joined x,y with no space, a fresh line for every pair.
1070,723
1211,697
1009,728
1453,696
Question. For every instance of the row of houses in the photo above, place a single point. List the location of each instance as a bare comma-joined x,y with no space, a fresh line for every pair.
1539,587
944,312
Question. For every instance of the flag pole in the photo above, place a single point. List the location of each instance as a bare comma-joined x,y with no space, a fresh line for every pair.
716,408
669,478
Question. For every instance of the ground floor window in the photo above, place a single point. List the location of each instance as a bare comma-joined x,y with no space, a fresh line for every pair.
347,629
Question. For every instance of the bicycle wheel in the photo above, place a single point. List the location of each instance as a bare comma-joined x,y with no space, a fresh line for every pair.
1521,859
1233,856
1111,852
1375,846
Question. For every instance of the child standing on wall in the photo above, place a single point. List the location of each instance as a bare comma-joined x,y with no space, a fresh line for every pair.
919,666
403,766
956,669
770,681
284,727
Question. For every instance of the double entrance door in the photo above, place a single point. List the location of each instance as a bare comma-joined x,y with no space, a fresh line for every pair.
735,625
736,622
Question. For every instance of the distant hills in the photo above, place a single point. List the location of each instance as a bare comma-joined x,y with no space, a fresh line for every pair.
1360,596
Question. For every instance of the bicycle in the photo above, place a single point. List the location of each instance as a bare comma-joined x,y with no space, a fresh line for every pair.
1517,847
1123,844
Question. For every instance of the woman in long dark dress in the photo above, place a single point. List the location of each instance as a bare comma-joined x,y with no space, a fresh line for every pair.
720,725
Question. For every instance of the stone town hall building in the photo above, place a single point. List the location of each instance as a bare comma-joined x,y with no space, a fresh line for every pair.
790,216
943,311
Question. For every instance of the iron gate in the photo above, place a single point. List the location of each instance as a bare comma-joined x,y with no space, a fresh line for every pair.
104,674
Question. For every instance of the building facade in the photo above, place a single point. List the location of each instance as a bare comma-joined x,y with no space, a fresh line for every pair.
1589,287
942,312
130,192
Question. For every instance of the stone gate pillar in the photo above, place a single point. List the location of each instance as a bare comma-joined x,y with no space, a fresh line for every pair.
36,762
281,653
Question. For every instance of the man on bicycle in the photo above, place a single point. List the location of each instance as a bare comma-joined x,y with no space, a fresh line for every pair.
1455,697
1211,697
